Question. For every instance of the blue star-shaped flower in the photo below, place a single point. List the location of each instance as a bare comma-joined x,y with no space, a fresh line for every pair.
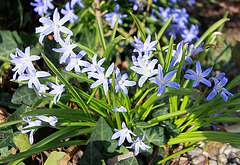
163,82
198,76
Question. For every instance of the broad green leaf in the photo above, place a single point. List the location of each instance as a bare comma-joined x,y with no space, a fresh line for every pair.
8,43
140,27
24,95
54,157
68,86
110,47
5,101
129,161
17,114
100,33
154,134
91,156
101,136
4,152
210,30
7,134
22,142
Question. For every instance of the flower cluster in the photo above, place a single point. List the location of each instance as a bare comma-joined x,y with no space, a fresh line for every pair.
125,133
112,17
52,120
179,23
42,6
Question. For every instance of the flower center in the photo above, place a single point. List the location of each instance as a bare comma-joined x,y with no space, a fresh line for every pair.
148,71
120,82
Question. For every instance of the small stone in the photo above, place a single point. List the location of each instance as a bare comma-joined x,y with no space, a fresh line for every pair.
198,159
221,150
194,152
202,144
228,150
213,149
183,161
222,159
206,154
236,160
232,155
212,162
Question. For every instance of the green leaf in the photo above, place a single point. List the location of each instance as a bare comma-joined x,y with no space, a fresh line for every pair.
24,95
154,134
210,30
17,114
129,161
8,43
33,150
68,86
100,32
101,136
140,27
22,142
110,47
54,157
114,30
4,152
66,114
91,156
162,30
168,56
5,101
7,134
225,137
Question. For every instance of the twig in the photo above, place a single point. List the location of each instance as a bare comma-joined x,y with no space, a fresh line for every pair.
166,149
154,155
147,11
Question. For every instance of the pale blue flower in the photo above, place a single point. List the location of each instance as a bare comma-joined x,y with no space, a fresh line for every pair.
112,17
32,77
177,56
145,47
67,49
92,67
218,77
79,2
193,51
41,6
43,88
183,15
30,124
165,13
121,109
124,133
139,144
102,78
198,76
57,90
163,82
75,62
69,12
153,15
54,26
23,61
137,3
145,70
52,120
40,29
121,82
190,35
219,88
